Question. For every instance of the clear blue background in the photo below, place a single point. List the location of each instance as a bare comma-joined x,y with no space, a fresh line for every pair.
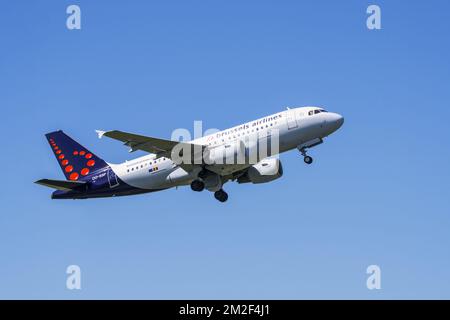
377,193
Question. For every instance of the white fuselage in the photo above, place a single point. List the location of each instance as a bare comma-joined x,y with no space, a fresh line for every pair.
295,127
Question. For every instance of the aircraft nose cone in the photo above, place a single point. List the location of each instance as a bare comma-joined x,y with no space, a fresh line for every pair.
339,121
335,121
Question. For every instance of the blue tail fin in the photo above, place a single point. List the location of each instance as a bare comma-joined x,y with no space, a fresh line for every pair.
75,160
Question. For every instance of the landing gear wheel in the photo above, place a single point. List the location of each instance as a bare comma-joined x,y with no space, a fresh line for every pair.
308,159
197,185
221,195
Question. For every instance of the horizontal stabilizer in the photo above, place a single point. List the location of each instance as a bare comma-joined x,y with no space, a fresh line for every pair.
62,184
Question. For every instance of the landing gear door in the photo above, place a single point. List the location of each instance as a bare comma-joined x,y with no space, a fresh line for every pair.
112,178
291,119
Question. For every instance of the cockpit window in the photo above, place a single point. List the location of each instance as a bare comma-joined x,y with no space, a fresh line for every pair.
316,111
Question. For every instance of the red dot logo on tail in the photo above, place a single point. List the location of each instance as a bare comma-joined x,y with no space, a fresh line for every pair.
84,171
74,176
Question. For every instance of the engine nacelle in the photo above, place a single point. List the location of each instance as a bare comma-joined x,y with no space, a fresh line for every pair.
264,171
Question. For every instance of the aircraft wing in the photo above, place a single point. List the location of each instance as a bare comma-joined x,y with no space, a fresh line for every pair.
160,147
163,148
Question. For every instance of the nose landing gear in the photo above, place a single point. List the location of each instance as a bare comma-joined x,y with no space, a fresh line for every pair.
309,144
306,158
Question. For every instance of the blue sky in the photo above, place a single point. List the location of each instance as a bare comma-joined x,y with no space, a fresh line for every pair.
377,192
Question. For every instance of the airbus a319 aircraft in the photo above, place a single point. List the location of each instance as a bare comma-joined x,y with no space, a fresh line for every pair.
88,176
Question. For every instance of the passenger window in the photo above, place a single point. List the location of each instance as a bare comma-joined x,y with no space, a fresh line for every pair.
310,113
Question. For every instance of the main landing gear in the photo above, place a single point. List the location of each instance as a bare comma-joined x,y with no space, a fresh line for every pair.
203,174
221,195
199,185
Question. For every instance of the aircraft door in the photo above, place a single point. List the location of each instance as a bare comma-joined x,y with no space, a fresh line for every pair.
112,178
291,119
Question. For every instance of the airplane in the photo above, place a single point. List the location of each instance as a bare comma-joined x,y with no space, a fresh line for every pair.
213,164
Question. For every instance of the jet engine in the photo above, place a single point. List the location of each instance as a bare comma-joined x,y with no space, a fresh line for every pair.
264,171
